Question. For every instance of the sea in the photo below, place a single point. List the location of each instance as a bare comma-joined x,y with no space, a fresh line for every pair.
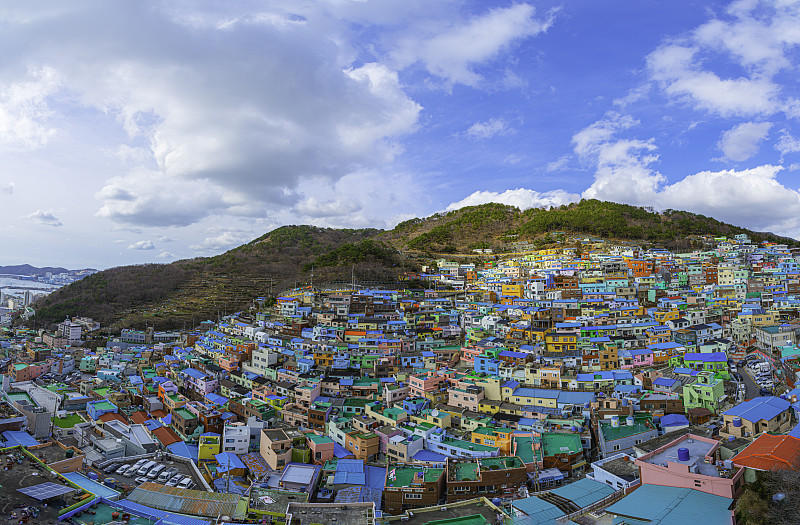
16,286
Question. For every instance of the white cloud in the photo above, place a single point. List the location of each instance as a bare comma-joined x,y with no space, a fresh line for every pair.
522,198
759,39
24,112
44,217
165,255
679,74
454,52
588,140
488,129
7,188
753,198
559,164
142,245
223,241
743,141
787,143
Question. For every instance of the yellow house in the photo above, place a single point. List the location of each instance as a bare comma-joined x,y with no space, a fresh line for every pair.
662,316
437,418
514,290
494,437
323,357
489,406
208,447
559,342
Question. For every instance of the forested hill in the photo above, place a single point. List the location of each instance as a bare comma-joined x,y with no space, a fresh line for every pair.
495,225
186,292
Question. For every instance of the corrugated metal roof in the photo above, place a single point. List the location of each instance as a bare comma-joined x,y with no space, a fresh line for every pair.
193,502
671,505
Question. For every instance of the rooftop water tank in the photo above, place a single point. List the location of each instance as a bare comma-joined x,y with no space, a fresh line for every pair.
683,454
629,421
737,421
615,422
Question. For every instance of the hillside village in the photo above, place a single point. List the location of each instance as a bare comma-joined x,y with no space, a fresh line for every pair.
590,382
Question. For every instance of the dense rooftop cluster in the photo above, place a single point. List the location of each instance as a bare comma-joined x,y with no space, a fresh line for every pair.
550,384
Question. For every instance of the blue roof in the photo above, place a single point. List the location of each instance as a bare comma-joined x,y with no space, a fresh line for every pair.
350,478
536,392
17,437
429,455
661,505
179,519
350,465
538,511
216,398
674,420
759,408
184,450
665,381
91,486
566,397
706,357
584,492
228,461
510,384
191,372
340,452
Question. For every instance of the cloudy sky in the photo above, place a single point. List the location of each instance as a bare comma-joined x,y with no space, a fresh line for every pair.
135,132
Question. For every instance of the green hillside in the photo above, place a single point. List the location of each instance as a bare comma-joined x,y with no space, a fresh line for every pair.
189,291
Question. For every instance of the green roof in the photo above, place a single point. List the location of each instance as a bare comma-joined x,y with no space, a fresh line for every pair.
67,421
319,440
184,413
561,443
641,424
405,475
466,471
103,405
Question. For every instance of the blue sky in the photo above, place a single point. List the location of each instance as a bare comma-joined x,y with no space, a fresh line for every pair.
150,131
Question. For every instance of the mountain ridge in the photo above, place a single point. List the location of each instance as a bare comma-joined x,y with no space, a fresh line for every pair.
188,291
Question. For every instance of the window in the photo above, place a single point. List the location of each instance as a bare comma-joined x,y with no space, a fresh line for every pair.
413,496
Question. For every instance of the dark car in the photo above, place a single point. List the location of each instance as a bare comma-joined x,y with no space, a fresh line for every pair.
765,392
112,467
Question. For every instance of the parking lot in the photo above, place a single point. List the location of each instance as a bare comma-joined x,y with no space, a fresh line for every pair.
129,482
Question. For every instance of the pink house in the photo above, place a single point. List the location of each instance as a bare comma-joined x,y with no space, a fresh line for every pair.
691,462
639,357
468,354
419,384
321,448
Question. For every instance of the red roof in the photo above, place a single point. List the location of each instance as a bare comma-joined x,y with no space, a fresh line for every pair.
769,452
158,413
108,416
166,436
139,417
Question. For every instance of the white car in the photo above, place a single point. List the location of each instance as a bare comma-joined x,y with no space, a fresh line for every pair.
123,469
141,479
174,480
187,483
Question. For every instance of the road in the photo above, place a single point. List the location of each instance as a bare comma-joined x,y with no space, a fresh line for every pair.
753,390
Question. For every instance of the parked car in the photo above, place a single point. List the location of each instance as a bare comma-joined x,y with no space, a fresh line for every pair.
765,392
166,475
141,479
155,471
123,469
111,468
144,469
187,483
174,480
